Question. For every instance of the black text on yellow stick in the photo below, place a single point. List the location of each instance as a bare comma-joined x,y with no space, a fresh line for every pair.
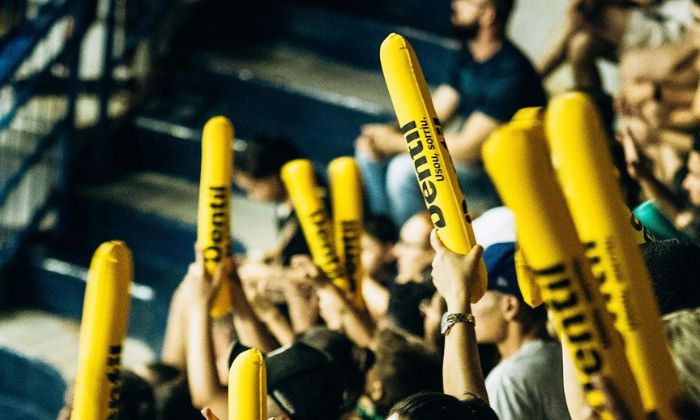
102,331
426,145
611,234
300,181
213,221
517,159
346,199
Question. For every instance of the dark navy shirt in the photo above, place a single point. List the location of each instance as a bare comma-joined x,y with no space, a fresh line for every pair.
499,86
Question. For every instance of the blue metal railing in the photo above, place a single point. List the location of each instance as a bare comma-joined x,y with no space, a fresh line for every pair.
37,125
34,129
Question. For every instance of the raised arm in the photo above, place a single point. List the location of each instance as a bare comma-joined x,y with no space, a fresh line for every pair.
356,324
202,377
453,276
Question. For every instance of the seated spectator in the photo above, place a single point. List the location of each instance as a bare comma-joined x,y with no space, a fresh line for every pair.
257,172
378,263
399,303
490,82
608,29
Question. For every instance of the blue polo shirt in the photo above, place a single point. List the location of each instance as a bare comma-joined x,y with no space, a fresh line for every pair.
499,86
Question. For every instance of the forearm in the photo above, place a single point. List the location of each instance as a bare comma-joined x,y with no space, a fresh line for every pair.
463,149
174,350
461,368
252,332
201,369
555,55
573,391
659,192
657,65
302,313
679,140
356,324
278,325
376,297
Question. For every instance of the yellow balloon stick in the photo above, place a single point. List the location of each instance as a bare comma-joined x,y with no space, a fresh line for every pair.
213,224
346,199
102,331
426,145
586,171
516,157
299,179
531,117
247,387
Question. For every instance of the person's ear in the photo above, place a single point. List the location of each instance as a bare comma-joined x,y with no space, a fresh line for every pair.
510,306
376,390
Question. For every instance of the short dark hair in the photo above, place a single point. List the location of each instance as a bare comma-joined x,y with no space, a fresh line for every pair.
264,156
503,10
382,228
404,371
352,361
674,265
136,399
436,405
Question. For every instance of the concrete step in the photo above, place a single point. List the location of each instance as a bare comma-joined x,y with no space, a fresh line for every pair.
156,215
353,31
279,89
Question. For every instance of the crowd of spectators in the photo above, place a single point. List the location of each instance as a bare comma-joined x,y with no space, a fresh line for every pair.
400,356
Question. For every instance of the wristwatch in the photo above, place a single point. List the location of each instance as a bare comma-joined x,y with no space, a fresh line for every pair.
450,319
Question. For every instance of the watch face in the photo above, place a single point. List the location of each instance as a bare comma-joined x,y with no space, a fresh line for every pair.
443,323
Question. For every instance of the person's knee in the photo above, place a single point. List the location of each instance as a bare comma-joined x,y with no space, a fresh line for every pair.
581,46
400,173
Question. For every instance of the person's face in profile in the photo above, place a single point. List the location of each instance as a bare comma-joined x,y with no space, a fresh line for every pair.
268,189
466,13
413,251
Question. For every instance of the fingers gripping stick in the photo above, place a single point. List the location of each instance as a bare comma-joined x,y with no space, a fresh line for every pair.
300,181
213,224
346,198
516,157
426,145
102,331
585,167
247,387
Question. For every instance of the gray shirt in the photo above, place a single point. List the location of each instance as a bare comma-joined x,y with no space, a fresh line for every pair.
529,384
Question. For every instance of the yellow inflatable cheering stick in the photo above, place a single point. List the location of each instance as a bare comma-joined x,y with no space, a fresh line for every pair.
346,199
102,331
426,145
247,387
531,118
516,158
299,179
586,171
213,224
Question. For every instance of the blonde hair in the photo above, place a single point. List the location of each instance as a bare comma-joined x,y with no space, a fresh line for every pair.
683,337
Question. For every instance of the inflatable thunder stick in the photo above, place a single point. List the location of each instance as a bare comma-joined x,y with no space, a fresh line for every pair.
247,387
300,181
213,225
516,158
577,140
102,331
346,199
532,117
426,145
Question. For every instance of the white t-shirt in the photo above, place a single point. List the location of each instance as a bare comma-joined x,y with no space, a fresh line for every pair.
529,384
